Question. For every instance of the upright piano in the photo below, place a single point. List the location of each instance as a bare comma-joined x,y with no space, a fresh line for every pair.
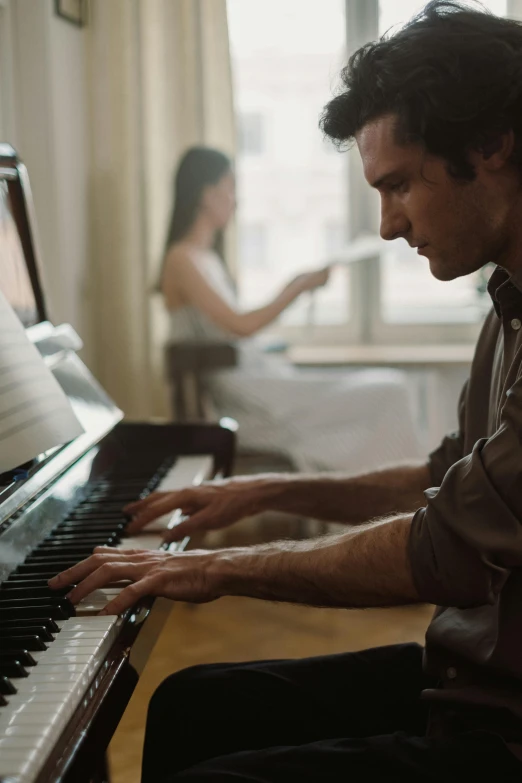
66,673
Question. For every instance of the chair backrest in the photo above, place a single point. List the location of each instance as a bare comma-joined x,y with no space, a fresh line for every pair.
188,366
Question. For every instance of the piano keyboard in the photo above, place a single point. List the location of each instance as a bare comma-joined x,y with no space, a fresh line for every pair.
50,652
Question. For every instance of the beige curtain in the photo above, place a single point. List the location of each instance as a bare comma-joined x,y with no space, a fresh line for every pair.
160,81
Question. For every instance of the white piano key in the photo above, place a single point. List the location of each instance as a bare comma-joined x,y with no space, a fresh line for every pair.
21,742
97,600
185,472
79,635
36,715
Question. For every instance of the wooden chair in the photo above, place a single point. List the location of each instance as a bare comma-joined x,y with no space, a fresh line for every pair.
188,367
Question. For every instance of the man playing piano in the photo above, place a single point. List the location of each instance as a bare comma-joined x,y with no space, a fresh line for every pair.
436,112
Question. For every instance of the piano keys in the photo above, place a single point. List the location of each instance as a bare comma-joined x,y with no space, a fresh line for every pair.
66,673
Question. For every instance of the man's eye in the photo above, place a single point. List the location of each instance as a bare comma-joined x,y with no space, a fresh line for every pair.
399,187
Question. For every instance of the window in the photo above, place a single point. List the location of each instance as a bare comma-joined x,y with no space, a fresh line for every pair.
250,134
334,238
252,246
287,56
282,54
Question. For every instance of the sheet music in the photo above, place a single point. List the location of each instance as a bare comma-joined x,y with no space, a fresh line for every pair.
35,414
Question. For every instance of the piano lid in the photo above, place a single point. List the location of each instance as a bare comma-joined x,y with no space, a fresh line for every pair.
21,284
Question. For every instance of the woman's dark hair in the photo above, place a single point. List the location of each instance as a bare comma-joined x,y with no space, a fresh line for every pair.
198,168
452,77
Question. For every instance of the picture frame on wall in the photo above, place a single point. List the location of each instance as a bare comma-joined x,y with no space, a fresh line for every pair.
74,11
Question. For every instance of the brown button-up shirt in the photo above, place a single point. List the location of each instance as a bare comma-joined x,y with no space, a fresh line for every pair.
466,544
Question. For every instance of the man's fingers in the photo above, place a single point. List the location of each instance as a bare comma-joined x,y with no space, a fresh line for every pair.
157,509
188,527
175,498
102,554
130,595
137,505
104,575
78,572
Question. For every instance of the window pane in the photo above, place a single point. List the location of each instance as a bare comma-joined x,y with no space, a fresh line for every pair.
398,12
250,135
292,184
409,292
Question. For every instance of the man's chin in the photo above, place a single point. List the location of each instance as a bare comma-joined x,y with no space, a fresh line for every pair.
443,271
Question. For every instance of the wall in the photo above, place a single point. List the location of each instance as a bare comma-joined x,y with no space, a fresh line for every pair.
49,131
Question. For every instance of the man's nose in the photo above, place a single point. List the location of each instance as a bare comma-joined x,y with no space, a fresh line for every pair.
394,224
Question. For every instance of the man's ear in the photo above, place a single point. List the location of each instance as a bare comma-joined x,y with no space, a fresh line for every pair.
497,151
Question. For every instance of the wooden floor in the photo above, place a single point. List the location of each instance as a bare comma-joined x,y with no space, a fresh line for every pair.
234,629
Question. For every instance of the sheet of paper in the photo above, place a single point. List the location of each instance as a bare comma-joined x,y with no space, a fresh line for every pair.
35,414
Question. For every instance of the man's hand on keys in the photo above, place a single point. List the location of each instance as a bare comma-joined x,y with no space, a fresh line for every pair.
186,576
207,507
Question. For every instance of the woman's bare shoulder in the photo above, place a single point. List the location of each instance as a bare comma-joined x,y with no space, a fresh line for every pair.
181,254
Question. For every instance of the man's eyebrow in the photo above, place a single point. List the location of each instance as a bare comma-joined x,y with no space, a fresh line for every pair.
378,183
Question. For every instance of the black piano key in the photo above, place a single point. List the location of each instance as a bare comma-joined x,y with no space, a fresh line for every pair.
82,533
27,630
79,552
43,622
72,528
56,545
52,560
121,497
54,612
123,482
6,686
16,584
22,603
23,657
15,643
80,516
21,577
50,567
99,506
54,548
91,524
13,669
33,592
70,535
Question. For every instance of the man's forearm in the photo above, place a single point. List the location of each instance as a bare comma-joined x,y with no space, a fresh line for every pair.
339,499
367,566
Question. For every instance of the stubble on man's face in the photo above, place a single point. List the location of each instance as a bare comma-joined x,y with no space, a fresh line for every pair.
450,220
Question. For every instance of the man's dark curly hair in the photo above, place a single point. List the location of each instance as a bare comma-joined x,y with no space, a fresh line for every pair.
452,77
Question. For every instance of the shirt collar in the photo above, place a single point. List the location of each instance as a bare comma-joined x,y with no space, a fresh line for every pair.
505,289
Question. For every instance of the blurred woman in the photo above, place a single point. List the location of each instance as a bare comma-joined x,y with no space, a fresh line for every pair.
352,421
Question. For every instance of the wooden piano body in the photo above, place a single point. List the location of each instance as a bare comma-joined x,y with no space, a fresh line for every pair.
68,490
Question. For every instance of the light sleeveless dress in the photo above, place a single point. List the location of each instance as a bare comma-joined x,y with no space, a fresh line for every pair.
354,421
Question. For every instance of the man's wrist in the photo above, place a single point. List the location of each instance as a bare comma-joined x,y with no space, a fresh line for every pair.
272,492
229,569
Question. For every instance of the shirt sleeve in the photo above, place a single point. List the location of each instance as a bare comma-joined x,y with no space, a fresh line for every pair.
468,538
452,447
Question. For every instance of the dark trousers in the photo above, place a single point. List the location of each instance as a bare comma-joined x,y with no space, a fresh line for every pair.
353,717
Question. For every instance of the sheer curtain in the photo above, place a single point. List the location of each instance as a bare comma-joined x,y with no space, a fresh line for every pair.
160,81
